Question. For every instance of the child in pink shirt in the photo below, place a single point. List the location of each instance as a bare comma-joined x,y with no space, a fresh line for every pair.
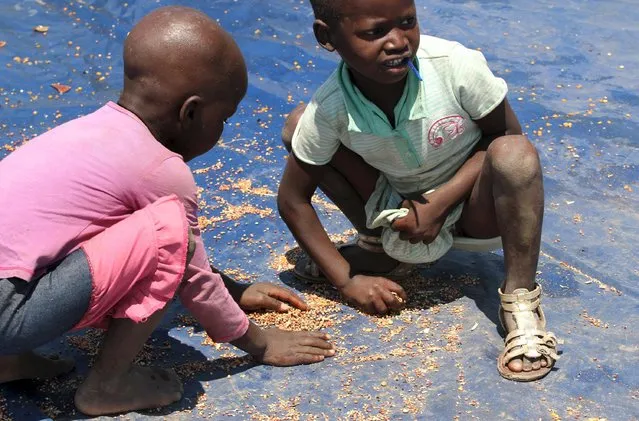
99,223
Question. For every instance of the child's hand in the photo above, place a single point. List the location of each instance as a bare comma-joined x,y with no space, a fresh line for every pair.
265,296
423,222
374,295
286,348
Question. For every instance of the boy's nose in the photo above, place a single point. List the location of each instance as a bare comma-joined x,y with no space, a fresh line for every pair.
396,41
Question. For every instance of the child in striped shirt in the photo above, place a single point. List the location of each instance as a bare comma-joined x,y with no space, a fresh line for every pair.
413,139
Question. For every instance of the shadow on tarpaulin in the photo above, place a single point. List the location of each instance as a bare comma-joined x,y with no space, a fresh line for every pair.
571,69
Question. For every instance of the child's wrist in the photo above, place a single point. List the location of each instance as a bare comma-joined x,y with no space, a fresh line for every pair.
440,205
341,281
253,342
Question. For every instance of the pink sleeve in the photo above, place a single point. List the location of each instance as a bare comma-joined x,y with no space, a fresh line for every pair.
206,297
204,293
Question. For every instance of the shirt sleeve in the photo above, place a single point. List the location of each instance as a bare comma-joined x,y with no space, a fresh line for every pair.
203,292
315,139
478,90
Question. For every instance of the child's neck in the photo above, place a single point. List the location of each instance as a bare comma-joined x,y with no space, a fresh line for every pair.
385,97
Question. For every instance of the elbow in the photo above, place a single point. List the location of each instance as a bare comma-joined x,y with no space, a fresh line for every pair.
284,205
289,205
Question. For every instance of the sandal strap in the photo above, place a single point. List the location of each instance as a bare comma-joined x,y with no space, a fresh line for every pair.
531,344
521,300
520,295
312,268
521,305
370,243
529,341
527,332
401,271
519,337
371,239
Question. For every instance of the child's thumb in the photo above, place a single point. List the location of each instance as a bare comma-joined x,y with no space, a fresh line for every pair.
398,224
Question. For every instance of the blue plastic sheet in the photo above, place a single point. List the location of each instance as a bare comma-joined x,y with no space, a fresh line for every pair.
571,67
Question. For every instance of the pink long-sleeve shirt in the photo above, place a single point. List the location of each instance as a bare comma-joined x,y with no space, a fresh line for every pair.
69,184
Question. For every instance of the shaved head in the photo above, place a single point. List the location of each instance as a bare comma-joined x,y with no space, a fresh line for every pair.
180,49
175,54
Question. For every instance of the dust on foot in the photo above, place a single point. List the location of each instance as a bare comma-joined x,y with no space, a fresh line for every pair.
139,388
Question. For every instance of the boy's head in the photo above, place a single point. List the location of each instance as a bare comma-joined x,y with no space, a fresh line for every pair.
183,76
375,38
326,10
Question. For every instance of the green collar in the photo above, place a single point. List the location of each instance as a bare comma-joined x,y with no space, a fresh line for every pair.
366,117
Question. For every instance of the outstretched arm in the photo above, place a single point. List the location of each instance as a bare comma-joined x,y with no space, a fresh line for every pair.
298,184
261,295
372,294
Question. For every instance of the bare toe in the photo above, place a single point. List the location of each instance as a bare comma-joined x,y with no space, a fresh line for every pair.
527,365
536,364
515,365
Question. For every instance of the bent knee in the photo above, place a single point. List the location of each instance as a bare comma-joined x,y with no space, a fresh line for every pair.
290,124
514,156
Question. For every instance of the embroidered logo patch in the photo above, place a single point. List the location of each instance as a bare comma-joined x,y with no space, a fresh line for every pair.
445,129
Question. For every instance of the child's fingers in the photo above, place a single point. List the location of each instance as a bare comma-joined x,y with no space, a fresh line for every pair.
320,335
288,296
392,300
314,351
399,224
316,342
396,288
269,303
409,235
309,358
379,305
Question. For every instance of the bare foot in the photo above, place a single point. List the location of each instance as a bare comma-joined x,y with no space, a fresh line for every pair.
32,366
139,388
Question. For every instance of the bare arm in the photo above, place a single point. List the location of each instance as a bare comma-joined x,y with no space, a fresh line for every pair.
501,121
294,203
236,289
261,295
370,293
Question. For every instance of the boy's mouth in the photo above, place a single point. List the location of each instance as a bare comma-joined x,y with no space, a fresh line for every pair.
396,63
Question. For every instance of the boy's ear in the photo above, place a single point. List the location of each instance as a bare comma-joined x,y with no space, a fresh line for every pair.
323,35
189,110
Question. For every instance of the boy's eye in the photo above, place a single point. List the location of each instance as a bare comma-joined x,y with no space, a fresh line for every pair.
408,22
374,32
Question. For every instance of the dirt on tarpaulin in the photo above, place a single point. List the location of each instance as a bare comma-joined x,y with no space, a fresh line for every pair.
571,70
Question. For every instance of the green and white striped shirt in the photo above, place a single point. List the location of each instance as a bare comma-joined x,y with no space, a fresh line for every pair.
434,135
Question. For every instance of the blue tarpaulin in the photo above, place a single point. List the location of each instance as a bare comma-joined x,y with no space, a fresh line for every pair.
571,67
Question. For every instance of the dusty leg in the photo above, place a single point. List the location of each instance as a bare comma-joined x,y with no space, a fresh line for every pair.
508,200
348,181
115,385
